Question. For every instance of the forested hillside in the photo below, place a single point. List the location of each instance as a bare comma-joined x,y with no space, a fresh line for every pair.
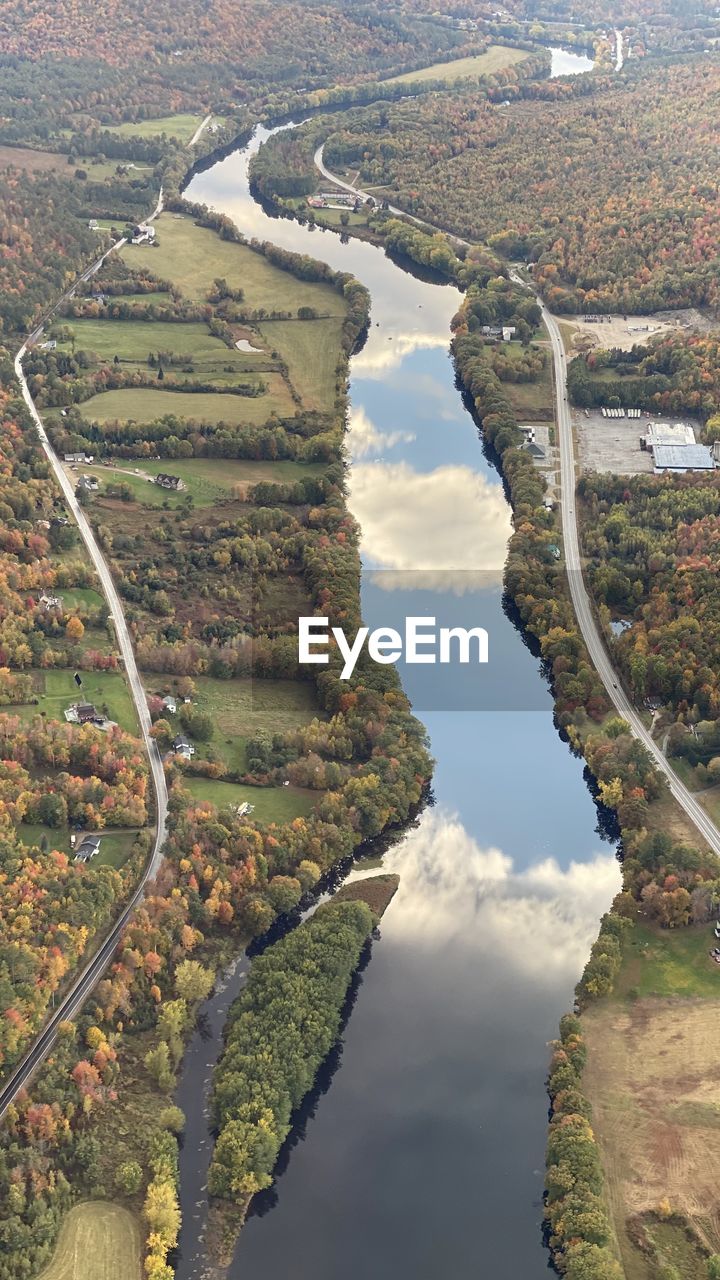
620,213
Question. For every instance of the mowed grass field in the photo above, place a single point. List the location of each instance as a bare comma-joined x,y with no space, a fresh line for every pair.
653,1079
57,690
136,339
80,598
181,126
207,480
144,404
311,349
192,257
98,1241
272,804
481,64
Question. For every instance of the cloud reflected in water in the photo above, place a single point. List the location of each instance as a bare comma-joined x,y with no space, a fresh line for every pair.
538,923
450,518
365,438
383,352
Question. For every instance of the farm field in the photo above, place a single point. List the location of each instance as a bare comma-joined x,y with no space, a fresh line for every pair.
271,804
135,339
31,161
98,1241
310,348
243,708
57,690
653,1082
144,404
206,480
482,64
182,126
191,257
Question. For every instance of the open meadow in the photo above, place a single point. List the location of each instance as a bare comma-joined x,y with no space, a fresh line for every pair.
653,1079
181,126
309,348
493,59
144,404
243,708
206,480
98,1241
191,257
271,804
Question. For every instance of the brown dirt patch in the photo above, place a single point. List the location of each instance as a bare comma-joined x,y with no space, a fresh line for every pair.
653,1078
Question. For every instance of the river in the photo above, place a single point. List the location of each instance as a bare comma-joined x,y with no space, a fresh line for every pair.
423,1155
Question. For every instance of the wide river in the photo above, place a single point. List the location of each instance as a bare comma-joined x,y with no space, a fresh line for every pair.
423,1155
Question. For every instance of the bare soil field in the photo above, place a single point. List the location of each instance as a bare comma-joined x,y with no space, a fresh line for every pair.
625,331
653,1077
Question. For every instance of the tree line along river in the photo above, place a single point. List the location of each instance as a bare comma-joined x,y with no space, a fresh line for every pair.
422,1152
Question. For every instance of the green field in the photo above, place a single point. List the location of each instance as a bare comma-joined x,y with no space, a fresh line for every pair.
56,690
311,349
192,257
115,849
482,64
272,804
243,708
207,480
144,404
98,1241
81,598
669,962
136,339
102,170
159,297
181,126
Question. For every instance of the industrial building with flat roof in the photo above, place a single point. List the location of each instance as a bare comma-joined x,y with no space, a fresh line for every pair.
659,433
682,457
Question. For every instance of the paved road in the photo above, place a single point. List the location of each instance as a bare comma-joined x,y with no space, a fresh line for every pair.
364,195
93,971
581,600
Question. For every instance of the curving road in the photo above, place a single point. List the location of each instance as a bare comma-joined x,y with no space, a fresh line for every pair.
93,971
578,592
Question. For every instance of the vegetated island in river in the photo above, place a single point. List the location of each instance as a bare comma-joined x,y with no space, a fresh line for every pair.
279,1032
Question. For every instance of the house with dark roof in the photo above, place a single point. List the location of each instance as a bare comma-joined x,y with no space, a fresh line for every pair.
87,849
183,748
83,713
169,482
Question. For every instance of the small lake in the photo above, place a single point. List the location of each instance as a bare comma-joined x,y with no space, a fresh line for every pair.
423,1155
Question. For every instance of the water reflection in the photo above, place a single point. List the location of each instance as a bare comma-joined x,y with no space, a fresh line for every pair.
565,63
450,518
424,1159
